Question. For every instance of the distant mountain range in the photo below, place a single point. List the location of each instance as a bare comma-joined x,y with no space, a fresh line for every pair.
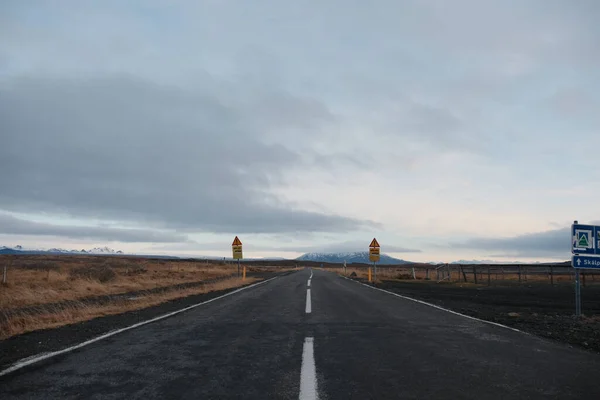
358,257
21,250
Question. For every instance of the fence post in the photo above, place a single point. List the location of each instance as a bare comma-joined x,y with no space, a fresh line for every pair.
463,273
475,274
427,274
4,276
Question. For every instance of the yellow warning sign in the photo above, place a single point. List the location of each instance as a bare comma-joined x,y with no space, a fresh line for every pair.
374,243
374,251
236,246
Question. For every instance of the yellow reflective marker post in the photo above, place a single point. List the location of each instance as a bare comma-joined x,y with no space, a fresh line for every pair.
244,277
374,254
236,247
369,274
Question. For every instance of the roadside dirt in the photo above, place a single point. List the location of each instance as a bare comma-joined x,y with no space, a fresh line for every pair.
540,309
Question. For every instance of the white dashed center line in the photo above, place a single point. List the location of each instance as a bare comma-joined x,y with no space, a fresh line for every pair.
308,302
308,374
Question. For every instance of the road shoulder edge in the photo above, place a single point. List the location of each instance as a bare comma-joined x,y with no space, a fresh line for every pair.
441,308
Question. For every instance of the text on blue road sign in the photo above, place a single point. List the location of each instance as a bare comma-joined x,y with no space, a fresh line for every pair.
586,262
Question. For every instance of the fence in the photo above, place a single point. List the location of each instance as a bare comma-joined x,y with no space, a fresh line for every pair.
485,274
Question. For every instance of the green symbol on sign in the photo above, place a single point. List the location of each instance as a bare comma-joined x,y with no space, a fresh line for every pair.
583,241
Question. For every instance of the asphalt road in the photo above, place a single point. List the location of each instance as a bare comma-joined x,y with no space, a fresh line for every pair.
356,343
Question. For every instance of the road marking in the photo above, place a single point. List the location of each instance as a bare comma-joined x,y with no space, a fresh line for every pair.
311,273
440,308
308,374
308,284
44,356
308,305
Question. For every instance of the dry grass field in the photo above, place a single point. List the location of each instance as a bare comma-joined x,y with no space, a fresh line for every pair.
70,313
36,280
48,291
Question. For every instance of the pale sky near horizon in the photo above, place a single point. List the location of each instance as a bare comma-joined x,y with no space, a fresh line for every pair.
449,130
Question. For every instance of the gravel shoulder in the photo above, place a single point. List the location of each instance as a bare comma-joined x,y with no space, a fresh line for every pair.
540,309
47,340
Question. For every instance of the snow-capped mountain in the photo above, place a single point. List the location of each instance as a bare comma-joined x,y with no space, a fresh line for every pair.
103,250
20,250
361,257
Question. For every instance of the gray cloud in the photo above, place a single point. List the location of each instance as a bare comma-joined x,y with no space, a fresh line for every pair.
436,126
552,243
573,103
126,149
203,154
16,226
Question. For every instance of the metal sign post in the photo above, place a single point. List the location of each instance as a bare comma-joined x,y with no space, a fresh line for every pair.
375,270
585,246
577,293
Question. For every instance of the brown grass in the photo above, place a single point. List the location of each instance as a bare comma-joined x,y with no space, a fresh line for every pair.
34,280
65,315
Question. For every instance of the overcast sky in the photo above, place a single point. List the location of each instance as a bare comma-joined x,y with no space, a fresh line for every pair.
462,129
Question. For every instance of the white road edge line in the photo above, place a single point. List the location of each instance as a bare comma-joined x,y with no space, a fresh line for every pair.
308,303
44,356
308,284
308,373
440,308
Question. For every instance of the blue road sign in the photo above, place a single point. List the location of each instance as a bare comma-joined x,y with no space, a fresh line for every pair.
586,262
585,239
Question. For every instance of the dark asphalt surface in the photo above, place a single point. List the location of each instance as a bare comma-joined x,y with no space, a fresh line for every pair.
367,345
